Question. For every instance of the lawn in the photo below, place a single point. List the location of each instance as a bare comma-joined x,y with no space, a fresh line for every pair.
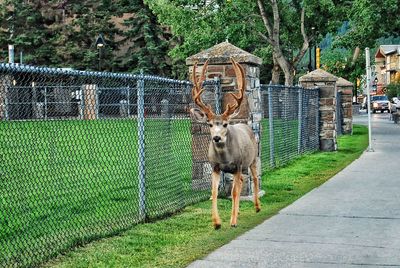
188,235
67,182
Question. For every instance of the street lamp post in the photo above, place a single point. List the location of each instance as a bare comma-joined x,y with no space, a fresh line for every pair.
100,44
310,50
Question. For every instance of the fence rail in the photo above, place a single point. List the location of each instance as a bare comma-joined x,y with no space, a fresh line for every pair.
87,154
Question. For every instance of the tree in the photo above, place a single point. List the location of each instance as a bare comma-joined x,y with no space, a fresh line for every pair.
393,90
293,25
63,33
23,26
369,21
343,63
76,36
283,29
198,24
147,41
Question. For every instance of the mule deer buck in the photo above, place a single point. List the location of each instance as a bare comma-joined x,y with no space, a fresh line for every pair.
233,148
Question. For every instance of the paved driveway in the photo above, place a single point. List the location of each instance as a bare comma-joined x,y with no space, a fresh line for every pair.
352,220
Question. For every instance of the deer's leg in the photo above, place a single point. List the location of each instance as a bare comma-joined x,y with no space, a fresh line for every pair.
214,195
253,169
236,189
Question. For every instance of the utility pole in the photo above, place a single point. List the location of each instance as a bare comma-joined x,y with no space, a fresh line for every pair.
368,69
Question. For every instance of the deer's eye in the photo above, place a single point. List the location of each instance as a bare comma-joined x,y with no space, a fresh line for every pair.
210,125
225,125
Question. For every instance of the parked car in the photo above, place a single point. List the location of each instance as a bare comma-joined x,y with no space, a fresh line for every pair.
380,103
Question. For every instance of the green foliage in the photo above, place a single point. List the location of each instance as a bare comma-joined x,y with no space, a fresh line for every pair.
200,26
370,20
338,61
393,90
150,39
64,35
23,25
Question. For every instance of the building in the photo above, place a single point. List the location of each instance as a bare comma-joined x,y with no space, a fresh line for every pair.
387,66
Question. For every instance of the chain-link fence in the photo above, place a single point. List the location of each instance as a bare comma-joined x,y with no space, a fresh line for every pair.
339,113
290,125
85,155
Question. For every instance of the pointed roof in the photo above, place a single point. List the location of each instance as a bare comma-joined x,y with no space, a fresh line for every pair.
343,82
384,50
221,53
318,75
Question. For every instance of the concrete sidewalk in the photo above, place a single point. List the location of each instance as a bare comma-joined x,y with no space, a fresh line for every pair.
351,220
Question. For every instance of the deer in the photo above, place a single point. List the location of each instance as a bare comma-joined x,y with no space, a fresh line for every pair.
232,148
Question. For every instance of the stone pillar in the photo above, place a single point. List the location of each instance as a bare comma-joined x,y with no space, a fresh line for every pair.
90,102
326,82
346,89
250,110
5,83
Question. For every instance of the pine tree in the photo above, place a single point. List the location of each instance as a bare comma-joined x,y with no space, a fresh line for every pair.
147,40
23,26
62,33
77,35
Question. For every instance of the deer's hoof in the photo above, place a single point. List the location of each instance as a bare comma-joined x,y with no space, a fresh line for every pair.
217,226
233,225
258,210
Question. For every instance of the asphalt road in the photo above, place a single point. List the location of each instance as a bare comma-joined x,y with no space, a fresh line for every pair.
352,220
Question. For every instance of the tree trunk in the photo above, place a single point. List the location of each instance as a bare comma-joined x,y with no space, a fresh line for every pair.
286,67
289,77
273,38
276,72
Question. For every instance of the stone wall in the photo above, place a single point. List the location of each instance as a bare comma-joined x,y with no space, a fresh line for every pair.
326,82
346,89
90,111
5,83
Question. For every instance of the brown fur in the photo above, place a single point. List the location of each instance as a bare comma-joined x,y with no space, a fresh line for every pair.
233,148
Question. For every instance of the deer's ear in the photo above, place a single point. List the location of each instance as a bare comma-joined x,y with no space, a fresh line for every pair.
198,115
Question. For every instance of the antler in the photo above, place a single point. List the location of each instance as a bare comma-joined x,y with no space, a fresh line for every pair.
241,84
197,90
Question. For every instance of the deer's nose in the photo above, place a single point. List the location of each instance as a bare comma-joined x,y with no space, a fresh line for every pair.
216,138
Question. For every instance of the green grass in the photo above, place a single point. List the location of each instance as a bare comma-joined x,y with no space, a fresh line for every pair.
286,134
67,182
188,235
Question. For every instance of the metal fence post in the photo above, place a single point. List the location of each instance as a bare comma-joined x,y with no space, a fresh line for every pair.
271,127
317,117
96,107
128,93
217,95
82,102
45,103
141,148
300,119
6,106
